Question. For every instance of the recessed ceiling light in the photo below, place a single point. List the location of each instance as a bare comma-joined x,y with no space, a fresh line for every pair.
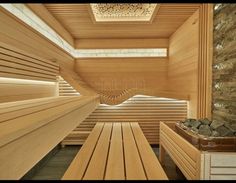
118,12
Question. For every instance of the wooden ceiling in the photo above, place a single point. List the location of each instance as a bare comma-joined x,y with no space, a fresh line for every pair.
76,18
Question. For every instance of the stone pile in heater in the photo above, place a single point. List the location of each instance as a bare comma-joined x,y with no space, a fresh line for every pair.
209,128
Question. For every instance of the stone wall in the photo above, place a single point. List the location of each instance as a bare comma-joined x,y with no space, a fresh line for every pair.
224,66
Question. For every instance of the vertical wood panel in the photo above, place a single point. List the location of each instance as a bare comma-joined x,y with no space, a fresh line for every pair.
183,61
205,61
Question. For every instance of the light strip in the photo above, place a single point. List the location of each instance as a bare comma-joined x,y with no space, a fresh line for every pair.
26,15
153,52
24,81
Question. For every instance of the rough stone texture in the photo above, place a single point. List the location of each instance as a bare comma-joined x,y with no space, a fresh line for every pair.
224,66
215,124
205,121
204,130
230,127
215,133
196,124
224,132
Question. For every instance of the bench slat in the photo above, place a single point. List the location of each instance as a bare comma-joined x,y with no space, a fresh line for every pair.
151,164
14,128
33,108
115,164
133,165
99,156
78,166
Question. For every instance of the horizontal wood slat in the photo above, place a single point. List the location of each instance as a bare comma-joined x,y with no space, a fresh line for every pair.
184,154
32,128
15,63
146,110
77,19
65,89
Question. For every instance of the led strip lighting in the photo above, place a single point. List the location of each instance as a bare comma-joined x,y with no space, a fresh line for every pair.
25,81
26,15
146,52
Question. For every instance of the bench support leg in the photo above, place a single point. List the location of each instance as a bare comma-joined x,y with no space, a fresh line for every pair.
162,154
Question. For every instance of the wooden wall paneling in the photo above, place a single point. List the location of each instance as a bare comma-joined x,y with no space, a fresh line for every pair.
18,63
24,36
183,61
65,89
31,41
47,17
77,82
205,61
146,110
23,146
117,79
120,43
32,72
13,90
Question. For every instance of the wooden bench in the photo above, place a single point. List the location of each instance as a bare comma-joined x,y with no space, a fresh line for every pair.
115,151
30,129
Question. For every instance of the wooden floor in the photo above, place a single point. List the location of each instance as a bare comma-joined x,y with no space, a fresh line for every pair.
53,166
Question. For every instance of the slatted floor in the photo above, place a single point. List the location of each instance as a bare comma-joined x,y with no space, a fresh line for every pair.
115,151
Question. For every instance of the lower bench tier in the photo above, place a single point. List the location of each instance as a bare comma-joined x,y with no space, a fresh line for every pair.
115,151
32,128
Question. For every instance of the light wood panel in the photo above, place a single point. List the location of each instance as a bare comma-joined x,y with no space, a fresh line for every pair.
153,172
16,33
205,61
184,154
77,20
32,42
15,63
71,77
29,68
222,166
120,43
99,157
117,79
34,127
183,61
195,164
65,89
15,90
147,111
101,161
42,12
115,161
83,157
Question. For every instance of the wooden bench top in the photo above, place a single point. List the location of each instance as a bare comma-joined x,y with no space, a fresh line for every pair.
21,117
115,151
